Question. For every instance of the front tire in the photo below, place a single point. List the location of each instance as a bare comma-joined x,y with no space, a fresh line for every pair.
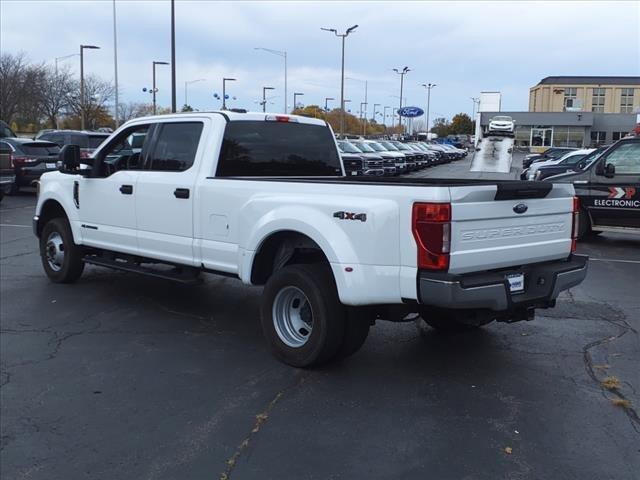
302,317
61,257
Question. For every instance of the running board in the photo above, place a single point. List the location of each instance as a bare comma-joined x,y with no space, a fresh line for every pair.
185,275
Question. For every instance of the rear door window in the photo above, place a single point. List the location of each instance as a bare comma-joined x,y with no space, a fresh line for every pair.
175,146
78,139
96,140
279,149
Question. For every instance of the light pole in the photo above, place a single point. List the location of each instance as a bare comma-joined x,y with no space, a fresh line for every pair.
364,114
187,83
385,116
295,96
402,73
264,97
224,91
474,100
326,100
173,57
428,86
82,99
115,61
343,36
283,54
154,83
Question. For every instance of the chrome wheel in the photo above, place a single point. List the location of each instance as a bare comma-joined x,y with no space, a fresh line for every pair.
292,316
54,251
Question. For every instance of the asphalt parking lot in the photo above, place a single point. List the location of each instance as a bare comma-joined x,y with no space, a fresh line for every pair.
128,377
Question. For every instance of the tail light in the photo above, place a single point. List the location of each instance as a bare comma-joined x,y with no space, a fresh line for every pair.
575,224
281,118
18,161
431,226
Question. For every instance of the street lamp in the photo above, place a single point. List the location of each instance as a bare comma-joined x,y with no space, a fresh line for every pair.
264,97
375,107
189,82
56,74
154,83
402,73
428,86
364,115
295,96
280,53
343,36
326,100
224,91
475,101
82,100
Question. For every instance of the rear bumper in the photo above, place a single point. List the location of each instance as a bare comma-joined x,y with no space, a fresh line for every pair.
490,290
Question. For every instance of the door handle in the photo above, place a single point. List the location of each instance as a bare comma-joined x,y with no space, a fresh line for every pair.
181,193
126,189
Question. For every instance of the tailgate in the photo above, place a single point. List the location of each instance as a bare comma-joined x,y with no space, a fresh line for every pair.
487,232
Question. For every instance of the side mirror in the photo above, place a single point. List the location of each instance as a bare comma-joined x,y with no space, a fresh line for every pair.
609,170
69,157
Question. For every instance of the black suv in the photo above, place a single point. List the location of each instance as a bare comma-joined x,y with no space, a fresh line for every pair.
87,141
29,159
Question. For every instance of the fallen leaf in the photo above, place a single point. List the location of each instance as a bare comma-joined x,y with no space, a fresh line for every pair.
508,450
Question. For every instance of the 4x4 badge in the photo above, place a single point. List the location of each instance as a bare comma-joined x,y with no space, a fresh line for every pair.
350,216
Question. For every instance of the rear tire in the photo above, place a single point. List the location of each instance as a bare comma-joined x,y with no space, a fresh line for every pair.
302,317
61,257
584,224
450,321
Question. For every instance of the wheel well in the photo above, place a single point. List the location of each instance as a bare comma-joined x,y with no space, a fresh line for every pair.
50,209
284,248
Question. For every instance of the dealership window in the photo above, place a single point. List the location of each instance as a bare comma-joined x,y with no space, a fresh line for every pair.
626,100
598,138
618,135
541,136
597,100
523,136
568,137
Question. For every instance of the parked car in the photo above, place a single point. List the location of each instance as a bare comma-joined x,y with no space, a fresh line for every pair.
439,153
5,131
502,124
568,164
399,159
608,189
87,141
576,155
413,157
29,160
447,155
388,164
370,166
549,154
226,193
7,174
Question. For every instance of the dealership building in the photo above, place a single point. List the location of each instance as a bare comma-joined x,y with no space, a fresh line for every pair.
571,111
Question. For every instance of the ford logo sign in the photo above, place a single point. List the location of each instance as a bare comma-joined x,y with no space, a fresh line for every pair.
410,112
520,208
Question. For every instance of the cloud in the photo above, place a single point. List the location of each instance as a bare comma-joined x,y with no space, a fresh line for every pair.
464,47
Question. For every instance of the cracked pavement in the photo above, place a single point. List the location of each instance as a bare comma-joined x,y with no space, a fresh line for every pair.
128,377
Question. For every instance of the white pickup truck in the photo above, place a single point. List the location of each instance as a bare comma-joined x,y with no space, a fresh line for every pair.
264,198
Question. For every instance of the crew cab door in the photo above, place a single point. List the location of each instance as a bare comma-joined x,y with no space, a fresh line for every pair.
106,199
614,200
165,191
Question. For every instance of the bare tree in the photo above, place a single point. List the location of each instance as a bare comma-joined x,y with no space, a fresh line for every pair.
132,110
56,89
98,94
20,85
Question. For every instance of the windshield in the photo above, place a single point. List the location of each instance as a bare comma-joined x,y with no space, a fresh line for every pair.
401,146
348,147
390,147
364,147
376,147
556,153
501,118
39,149
587,158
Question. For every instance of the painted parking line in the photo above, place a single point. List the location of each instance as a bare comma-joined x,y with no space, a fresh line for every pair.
613,260
12,225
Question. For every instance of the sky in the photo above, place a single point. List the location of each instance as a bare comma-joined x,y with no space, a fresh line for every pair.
462,47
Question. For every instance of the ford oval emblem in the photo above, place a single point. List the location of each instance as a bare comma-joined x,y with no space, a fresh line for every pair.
520,208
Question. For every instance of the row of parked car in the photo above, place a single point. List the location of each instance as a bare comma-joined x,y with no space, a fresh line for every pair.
392,157
559,160
24,160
